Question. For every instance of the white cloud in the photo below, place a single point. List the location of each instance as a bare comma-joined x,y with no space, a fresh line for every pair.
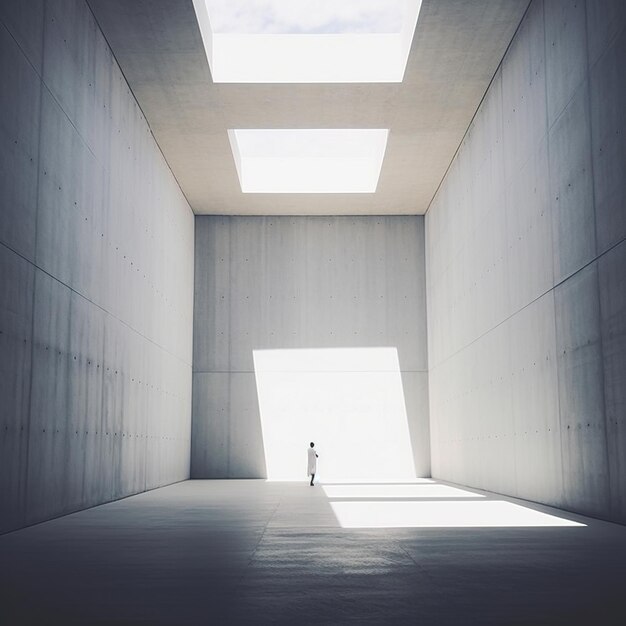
306,16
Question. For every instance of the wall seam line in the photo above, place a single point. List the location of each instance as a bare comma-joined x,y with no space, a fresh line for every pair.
543,294
78,293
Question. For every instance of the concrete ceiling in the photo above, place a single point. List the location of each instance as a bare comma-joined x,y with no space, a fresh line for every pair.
457,47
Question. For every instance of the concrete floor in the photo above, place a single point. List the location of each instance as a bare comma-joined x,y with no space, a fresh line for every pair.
248,551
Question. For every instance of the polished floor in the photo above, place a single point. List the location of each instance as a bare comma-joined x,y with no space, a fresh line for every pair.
231,552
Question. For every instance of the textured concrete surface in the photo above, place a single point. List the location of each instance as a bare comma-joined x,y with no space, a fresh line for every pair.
457,47
232,552
299,282
96,276
526,272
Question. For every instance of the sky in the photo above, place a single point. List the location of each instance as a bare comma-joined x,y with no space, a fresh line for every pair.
306,16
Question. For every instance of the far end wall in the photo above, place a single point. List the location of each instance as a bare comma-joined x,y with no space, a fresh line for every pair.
526,272
299,283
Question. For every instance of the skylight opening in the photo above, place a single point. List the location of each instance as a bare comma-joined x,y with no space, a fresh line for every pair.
307,41
308,160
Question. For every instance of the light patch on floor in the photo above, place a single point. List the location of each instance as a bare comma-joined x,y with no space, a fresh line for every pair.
379,481
397,491
447,514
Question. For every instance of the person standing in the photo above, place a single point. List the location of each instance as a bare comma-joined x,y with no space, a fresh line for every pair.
312,465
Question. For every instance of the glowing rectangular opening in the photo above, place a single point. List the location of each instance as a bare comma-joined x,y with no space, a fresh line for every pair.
397,491
412,514
349,401
307,41
308,160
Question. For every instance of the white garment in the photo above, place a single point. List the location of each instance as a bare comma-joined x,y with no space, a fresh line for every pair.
312,465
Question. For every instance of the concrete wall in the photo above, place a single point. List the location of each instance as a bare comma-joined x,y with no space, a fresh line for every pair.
526,272
96,275
299,282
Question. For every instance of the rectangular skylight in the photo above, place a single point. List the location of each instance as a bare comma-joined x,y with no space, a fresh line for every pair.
307,41
315,160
